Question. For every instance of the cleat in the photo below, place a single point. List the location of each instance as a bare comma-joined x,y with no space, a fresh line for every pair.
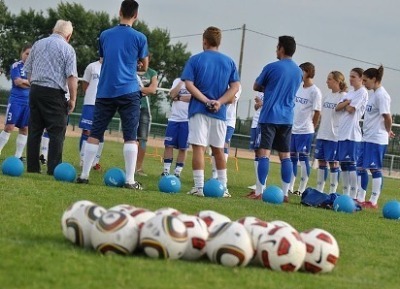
256,197
226,194
369,205
79,180
22,159
164,174
251,194
43,160
296,193
196,192
286,199
97,167
141,173
134,186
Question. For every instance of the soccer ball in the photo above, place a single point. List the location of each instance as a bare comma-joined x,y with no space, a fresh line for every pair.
281,249
169,184
213,188
344,203
65,172
167,211
391,210
141,215
125,208
197,234
115,177
273,194
279,223
68,212
115,233
12,166
164,237
79,224
255,228
212,218
230,245
322,251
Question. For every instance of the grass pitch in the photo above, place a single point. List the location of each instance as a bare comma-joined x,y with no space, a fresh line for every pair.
34,253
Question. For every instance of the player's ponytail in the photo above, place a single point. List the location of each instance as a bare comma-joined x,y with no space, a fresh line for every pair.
373,72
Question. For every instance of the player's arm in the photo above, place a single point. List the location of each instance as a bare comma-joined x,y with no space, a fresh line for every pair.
316,117
152,88
72,82
257,103
84,85
387,118
342,105
20,82
143,63
230,94
195,92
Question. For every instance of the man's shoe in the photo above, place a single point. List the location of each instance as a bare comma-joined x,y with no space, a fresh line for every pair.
369,205
196,192
226,194
97,167
134,186
42,160
79,180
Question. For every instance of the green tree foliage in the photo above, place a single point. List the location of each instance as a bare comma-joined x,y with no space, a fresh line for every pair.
16,30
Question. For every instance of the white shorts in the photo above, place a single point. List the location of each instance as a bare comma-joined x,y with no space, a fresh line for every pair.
205,131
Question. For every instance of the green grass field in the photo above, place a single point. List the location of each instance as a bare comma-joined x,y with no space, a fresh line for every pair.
34,253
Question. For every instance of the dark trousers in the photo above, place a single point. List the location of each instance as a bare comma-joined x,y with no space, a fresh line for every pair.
48,110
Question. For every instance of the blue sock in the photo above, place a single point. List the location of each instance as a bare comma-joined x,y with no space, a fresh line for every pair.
364,178
294,160
168,161
286,170
263,169
226,150
84,137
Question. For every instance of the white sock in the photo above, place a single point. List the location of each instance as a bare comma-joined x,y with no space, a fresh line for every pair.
226,157
167,167
320,179
303,177
4,137
291,184
334,180
82,154
90,153
130,151
98,154
361,193
353,184
376,190
346,184
259,186
285,188
21,143
198,178
45,147
214,168
222,177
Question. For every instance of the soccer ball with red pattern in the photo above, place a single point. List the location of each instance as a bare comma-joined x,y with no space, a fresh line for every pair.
322,251
281,249
230,245
197,234
212,218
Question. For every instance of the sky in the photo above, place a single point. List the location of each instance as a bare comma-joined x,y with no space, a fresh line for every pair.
333,35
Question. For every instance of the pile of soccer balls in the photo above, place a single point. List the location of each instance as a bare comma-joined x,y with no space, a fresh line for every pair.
167,233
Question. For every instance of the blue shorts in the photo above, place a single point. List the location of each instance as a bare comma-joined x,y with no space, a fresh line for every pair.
87,117
229,133
347,151
275,136
176,135
128,107
325,150
18,114
255,137
301,143
371,155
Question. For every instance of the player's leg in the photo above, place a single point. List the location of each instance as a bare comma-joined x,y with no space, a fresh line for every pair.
22,139
9,125
304,158
362,175
294,157
96,163
218,134
282,144
322,169
143,131
182,147
170,141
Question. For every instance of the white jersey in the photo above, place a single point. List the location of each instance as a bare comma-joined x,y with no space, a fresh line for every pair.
91,76
179,109
256,116
308,100
349,123
231,110
329,123
374,124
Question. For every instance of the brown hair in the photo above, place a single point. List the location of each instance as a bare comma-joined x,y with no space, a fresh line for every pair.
359,71
373,72
213,36
339,77
309,68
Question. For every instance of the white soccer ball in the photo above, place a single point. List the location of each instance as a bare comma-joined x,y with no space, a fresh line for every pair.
255,227
212,218
167,211
141,215
122,208
279,223
230,245
67,213
322,251
115,233
281,249
197,234
79,224
164,237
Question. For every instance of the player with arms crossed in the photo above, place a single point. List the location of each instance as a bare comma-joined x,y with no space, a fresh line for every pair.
212,79
377,128
279,81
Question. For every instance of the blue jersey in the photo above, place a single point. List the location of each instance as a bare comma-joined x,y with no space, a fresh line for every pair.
120,47
18,94
211,72
281,80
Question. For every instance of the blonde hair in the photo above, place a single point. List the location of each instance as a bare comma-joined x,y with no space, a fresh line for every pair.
339,77
63,27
